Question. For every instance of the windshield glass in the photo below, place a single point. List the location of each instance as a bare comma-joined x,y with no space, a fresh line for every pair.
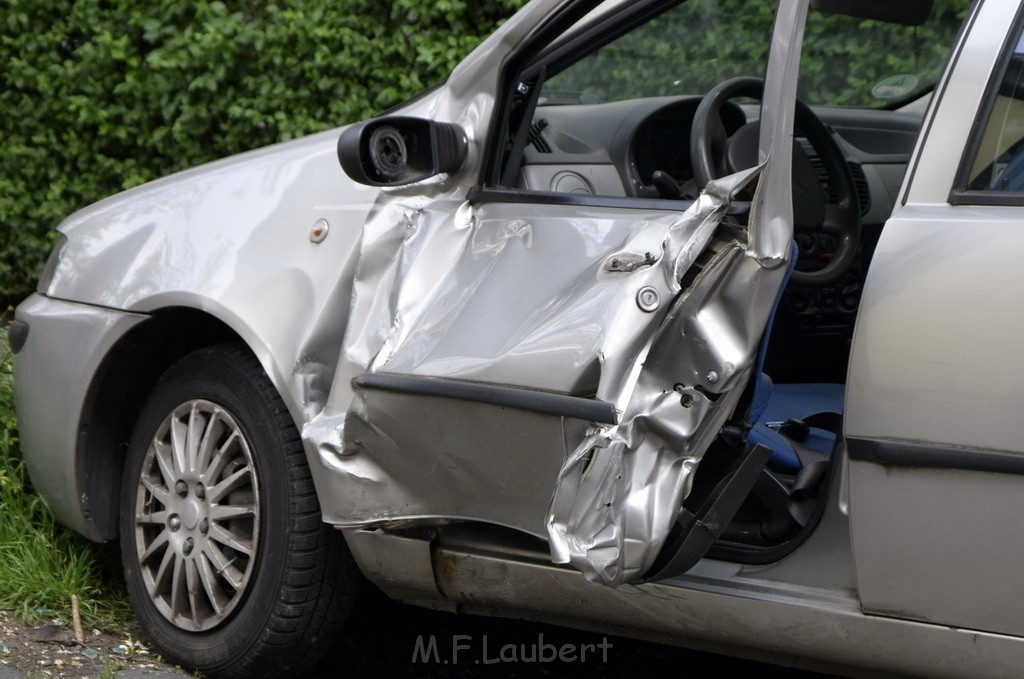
697,44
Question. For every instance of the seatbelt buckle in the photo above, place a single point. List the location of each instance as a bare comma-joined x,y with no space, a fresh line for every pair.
793,429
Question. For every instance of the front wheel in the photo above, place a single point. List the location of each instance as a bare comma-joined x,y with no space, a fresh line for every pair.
228,565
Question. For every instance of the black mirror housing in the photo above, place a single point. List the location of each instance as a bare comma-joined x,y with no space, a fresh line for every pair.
398,150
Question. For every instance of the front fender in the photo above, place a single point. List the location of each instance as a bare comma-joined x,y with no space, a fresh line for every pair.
235,239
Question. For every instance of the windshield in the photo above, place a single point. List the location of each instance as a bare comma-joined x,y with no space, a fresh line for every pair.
846,61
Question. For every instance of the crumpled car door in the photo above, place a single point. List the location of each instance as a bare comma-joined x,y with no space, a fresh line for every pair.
556,369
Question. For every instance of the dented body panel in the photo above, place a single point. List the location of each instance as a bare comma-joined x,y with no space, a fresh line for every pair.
284,294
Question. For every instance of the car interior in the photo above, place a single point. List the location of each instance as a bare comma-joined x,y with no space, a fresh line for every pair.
638,118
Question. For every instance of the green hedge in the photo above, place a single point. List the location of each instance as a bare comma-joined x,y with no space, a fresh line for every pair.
843,57
97,96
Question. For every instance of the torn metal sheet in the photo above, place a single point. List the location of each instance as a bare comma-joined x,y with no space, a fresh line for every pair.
621,490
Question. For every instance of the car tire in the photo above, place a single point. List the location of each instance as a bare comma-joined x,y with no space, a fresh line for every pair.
228,565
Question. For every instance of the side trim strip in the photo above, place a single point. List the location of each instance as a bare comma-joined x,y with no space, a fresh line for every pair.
501,195
516,196
903,454
511,397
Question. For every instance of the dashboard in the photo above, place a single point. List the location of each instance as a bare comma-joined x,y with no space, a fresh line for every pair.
612,149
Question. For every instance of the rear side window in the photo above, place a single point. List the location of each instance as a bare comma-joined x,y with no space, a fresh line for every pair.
993,171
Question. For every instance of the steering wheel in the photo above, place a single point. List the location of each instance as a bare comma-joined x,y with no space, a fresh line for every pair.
715,154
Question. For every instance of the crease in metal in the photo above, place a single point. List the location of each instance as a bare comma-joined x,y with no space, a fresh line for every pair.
771,217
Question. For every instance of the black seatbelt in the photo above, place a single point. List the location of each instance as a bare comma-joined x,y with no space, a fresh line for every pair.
694,533
801,501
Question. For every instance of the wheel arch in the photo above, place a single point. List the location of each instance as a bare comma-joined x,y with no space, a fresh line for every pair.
116,394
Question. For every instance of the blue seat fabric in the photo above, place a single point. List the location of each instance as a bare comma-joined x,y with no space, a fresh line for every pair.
774,404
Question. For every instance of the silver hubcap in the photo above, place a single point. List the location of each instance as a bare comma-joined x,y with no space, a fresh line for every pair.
197,516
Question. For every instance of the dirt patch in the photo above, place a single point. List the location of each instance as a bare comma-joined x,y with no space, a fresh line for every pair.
51,650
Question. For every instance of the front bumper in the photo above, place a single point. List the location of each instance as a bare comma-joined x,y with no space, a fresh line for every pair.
53,372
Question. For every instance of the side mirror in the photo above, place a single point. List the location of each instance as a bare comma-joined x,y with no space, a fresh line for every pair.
909,12
397,150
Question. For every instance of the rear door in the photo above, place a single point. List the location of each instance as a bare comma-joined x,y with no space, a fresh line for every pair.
934,397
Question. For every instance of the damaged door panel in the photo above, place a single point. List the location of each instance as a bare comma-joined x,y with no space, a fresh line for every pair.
558,369
620,492
668,363
536,319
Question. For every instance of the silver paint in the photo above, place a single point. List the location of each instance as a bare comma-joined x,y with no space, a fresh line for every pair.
802,611
771,231
287,297
793,626
620,490
232,239
50,392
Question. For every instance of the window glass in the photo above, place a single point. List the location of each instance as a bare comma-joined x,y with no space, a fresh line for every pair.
687,50
691,48
617,115
999,163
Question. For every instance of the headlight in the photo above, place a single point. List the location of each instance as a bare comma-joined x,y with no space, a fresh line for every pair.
46,277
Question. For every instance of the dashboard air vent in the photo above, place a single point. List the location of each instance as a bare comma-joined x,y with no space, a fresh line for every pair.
860,180
537,137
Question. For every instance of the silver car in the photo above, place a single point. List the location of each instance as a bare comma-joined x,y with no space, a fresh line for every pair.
609,329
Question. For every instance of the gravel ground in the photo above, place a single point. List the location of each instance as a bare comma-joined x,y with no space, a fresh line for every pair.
50,650
381,640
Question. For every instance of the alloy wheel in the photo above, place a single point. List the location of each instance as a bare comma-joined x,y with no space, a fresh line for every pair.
197,516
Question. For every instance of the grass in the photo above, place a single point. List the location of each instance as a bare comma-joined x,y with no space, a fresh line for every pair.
111,670
42,563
